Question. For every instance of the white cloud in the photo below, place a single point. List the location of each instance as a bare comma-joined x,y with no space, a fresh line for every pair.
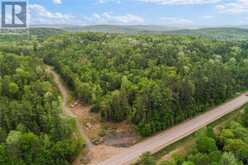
40,15
109,18
181,2
57,2
208,17
107,1
236,7
173,21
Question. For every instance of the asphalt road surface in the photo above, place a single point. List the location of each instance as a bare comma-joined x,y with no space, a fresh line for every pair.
170,136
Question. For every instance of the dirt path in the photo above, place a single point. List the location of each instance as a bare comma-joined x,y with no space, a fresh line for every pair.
107,155
67,110
170,136
94,153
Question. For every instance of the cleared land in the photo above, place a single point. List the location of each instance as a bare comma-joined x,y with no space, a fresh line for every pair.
176,133
94,153
157,142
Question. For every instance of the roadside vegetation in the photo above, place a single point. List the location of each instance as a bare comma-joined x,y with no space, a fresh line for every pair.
153,82
227,146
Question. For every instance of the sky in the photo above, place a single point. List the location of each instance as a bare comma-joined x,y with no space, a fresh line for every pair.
140,12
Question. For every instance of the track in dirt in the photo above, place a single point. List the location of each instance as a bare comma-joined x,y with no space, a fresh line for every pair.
66,109
94,153
161,140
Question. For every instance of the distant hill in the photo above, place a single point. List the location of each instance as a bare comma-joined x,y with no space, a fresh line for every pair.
21,35
217,33
220,33
121,29
45,32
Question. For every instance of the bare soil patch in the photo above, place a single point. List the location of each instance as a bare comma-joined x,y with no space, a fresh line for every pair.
102,152
120,135
111,134
108,138
93,130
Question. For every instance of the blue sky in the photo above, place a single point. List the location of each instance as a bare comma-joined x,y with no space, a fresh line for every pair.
132,12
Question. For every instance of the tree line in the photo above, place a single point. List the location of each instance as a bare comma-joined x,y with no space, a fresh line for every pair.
32,129
227,146
153,81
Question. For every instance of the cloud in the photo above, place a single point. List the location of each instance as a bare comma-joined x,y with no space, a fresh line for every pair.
173,21
181,2
235,7
208,17
168,2
57,2
109,18
40,15
107,1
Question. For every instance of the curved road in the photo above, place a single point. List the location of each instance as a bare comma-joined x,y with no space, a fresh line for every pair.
176,133
66,109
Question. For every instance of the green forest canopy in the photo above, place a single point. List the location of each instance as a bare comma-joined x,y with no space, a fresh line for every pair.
32,129
228,146
150,80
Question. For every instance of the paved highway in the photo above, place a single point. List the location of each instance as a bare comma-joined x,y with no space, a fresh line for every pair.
165,138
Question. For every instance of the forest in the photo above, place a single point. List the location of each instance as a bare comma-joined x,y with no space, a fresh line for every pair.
151,81
227,146
32,128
